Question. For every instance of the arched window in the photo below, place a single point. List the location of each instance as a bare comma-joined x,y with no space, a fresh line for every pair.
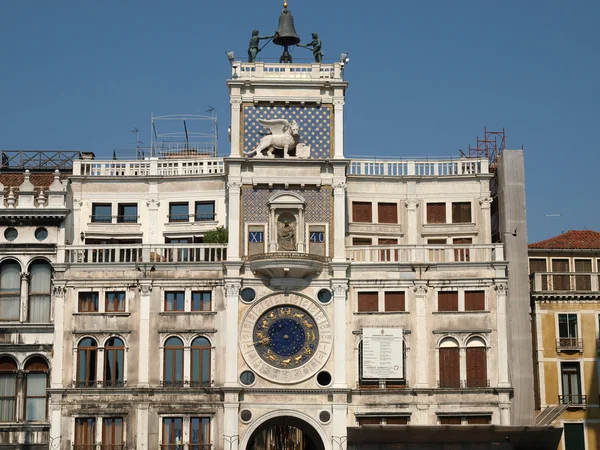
39,292
10,290
36,378
449,364
173,371
8,389
114,360
476,363
87,352
200,373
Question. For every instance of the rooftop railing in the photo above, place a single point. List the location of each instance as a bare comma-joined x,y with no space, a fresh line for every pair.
369,254
145,254
564,282
276,70
423,168
149,167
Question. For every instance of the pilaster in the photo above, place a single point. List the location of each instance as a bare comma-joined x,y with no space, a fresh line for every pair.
236,104
338,108
340,292
145,288
232,290
412,221
503,376
420,337
234,188
24,297
339,220
58,293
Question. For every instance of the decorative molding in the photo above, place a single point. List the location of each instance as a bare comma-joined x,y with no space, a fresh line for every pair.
412,203
340,187
59,291
340,290
420,289
145,289
234,187
153,203
24,276
485,202
338,102
232,289
501,288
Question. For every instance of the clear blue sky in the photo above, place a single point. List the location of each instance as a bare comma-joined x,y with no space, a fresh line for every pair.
425,78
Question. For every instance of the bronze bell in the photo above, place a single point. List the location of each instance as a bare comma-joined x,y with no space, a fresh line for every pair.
286,34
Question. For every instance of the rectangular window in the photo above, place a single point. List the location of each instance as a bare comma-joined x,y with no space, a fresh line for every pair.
199,433
436,213
369,421
387,213
567,325
560,282
8,394
538,265
88,302
201,301
474,300
85,433
449,367
172,433
179,212
368,302
127,213
461,212
361,241
478,420
388,254
574,436
448,301
35,407
115,301
571,383
394,301
174,301
112,433
362,212
403,420
101,212
437,254
205,211
583,282
450,420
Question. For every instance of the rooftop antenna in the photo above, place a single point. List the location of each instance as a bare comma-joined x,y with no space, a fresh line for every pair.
215,127
562,228
137,141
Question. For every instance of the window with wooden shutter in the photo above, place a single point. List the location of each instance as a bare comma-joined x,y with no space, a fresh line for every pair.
449,367
362,212
560,282
478,420
448,301
387,213
474,300
369,420
461,212
462,254
450,420
388,254
368,302
396,420
583,282
539,265
476,367
361,241
436,213
394,301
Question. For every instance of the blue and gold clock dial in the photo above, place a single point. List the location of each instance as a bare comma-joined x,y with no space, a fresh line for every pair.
286,337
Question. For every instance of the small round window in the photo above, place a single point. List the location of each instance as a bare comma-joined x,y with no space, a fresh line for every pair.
324,378
248,294
246,415
247,377
11,234
41,234
324,295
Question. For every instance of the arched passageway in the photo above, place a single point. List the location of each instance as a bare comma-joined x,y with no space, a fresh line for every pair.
285,433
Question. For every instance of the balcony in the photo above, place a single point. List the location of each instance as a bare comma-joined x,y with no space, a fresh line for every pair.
419,168
573,399
144,254
580,283
569,344
114,219
149,167
425,254
185,446
288,265
99,447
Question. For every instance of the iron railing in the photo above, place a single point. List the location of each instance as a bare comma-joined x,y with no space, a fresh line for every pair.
207,217
569,343
572,399
128,218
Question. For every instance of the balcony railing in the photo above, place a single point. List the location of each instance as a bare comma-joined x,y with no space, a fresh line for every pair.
572,399
186,383
569,343
476,383
425,253
152,167
99,447
185,446
207,217
114,219
144,254
564,282
421,168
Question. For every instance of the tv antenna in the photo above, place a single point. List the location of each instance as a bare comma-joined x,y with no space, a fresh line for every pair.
137,141
562,228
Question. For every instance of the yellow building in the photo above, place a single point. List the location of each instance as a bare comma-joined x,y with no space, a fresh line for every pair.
565,294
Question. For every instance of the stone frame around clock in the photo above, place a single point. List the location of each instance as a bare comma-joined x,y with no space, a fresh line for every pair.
280,375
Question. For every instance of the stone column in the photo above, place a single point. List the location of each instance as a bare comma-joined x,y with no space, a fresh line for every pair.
231,435
152,236
338,140
236,106
233,250
339,220
340,291
24,297
485,227
504,404
232,289
58,348
144,346
421,338
412,221
142,426
339,436
54,411
501,325
100,366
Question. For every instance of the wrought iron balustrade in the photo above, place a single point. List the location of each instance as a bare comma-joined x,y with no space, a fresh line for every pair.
206,217
85,384
572,399
129,218
569,343
112,383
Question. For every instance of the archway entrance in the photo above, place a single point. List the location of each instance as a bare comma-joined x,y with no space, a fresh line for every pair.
285,433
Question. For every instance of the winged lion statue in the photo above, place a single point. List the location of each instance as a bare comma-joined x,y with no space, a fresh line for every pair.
284,136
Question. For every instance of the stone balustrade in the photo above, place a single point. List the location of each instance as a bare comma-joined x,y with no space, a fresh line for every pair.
420,168
149,167
427,254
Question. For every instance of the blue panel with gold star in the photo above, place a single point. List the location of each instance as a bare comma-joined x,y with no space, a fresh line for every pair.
315,126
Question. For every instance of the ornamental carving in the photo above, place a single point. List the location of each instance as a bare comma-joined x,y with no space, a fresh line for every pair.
501,288
340,290
145,289
485,202
234,187
420,290
232,289
412,203
338,102
153,203
59,291
340,187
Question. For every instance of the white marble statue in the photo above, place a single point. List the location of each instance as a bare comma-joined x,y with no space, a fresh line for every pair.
284,136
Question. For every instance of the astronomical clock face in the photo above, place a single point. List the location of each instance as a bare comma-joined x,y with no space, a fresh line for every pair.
286,339
286,336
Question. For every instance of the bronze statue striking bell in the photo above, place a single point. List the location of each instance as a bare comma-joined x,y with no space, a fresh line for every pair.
286,35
